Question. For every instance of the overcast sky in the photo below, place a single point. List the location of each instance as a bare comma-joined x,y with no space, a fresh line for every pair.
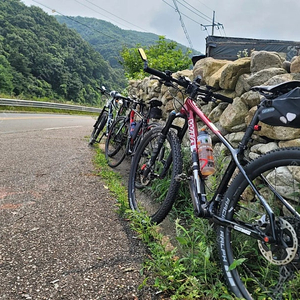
259,19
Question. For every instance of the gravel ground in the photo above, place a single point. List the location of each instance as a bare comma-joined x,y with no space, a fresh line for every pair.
60,235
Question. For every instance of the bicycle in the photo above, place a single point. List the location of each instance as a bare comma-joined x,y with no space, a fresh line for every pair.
126,133
257,212
106,116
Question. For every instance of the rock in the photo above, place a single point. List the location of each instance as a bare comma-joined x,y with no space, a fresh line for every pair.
261,77
206,67
295,65
234,114
291,143
264,148
242,85
251,98
232,71
261,60
287,66
277,79
214,79
216,113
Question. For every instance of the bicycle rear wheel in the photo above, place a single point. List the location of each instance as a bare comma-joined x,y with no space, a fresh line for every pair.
100,124
152,188
115,146
256,269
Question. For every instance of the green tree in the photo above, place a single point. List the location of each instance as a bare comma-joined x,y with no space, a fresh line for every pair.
41,58
6,77
163,55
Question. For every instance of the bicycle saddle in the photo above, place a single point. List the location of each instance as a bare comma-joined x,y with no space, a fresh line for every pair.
281,88
155,102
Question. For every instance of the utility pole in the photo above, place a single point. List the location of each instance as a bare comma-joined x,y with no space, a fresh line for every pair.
213,25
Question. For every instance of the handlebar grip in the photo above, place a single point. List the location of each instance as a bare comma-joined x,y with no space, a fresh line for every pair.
223,98
157,73
119,96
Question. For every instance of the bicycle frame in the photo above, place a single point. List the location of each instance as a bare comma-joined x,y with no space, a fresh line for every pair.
132,118
203,207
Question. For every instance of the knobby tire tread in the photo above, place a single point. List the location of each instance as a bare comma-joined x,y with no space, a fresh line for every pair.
168,202
276,158
120,121
98,128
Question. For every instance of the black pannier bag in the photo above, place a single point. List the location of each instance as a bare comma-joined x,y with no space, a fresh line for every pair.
282,111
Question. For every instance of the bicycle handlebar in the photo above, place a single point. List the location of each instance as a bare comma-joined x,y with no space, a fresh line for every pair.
222,98
192,88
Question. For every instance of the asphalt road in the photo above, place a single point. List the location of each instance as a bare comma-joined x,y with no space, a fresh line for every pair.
60,237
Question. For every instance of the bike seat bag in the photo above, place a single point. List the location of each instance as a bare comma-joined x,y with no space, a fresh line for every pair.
282,111
155,111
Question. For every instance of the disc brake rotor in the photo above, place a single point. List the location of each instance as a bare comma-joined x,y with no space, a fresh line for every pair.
280,255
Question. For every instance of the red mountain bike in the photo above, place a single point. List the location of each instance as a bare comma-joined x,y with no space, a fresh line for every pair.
257,214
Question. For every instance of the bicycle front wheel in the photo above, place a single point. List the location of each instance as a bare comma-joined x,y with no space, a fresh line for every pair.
115,146
256,269
98,128
152,187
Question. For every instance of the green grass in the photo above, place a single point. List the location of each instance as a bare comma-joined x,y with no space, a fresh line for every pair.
185,270
185,266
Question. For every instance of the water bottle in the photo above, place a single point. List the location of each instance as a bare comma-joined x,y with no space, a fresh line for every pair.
205,153
132,127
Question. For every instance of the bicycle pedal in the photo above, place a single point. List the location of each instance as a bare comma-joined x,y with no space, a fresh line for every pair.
181,177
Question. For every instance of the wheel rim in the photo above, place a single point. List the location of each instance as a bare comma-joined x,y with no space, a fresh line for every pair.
264,268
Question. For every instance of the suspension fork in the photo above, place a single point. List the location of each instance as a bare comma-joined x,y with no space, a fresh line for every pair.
100,115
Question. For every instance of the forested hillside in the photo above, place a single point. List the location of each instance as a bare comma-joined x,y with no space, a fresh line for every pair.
39,57
109,39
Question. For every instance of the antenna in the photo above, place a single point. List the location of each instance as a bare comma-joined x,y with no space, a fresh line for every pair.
213,25
182,25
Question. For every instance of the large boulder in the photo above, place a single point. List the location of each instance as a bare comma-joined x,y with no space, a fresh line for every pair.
232,71
242,85
234,115
295,65
277,79
251,98
206,67
261,77
261,60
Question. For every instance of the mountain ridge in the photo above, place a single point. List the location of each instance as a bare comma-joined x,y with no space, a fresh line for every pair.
109,39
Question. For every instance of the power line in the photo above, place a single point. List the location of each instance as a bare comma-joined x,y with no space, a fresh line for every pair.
213,25
202,15
112,14
205,5
76,21
182,13
183,25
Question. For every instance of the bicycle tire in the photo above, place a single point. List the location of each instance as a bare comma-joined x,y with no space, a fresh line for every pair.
159,191
251,267
115,145
137,143
98,128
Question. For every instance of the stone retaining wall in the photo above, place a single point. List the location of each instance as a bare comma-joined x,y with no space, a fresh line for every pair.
233,79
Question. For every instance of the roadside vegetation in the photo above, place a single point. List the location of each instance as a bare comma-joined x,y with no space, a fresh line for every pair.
41,59
186,265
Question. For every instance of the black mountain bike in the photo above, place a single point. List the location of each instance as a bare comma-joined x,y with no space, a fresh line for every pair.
116,104
257,214
127,131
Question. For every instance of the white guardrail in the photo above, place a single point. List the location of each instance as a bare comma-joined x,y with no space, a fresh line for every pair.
29,103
